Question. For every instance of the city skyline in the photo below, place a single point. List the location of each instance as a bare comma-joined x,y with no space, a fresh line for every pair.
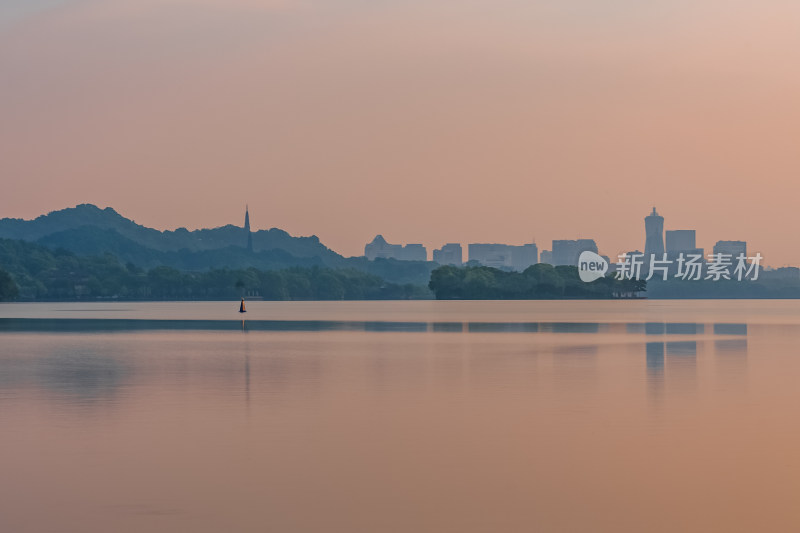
705,241
658,241
566,250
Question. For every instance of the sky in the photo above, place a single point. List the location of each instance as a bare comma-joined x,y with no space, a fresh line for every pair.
427,121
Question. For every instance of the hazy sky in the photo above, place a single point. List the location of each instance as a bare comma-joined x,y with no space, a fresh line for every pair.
427,121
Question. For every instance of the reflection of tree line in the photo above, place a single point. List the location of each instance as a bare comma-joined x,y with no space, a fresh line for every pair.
82,375
111,325
89,376
540,281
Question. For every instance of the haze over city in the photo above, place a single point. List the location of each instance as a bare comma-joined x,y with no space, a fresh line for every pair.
427,122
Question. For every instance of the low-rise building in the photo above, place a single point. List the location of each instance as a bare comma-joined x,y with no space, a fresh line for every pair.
379,248
504,256
732,248
449,254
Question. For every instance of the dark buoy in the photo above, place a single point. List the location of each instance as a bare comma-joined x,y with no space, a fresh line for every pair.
241,307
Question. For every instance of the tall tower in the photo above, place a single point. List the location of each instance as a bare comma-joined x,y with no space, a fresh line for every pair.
247,228
654,228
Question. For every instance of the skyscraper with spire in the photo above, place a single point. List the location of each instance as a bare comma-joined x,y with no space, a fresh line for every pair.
654,230
247,228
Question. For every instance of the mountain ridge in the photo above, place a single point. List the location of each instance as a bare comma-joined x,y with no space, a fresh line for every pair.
89,230
81,215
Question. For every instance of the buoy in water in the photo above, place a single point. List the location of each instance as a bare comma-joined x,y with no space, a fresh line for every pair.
241,307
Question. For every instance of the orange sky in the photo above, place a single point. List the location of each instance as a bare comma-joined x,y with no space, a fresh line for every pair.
427,121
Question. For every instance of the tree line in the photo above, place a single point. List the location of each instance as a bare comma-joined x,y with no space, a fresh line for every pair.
32,272
540,281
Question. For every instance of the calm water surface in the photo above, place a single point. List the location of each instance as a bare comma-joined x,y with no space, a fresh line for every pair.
400,416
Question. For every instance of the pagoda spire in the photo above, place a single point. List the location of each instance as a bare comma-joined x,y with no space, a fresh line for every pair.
247,228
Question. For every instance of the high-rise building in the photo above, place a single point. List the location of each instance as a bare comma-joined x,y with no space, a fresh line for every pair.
247,228
504,256
379,248
524,256
449,254
680,240
732,248
567,252
654,229
546,257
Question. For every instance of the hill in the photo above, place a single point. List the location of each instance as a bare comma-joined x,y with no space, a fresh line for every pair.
70,225
90,231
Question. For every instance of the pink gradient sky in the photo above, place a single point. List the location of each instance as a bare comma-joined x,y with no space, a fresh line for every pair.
427,121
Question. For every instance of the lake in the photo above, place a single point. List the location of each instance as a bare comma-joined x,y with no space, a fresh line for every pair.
423,416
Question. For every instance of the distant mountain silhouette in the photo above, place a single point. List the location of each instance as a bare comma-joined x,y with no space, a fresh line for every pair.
88,215
89,230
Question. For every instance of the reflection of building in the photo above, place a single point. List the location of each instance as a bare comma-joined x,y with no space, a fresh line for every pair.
449,254
654,229
682,348
379,248
504,255
655,357
566,252
655,368
732,248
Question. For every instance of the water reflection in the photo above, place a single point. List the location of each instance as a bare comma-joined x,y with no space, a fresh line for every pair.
448,327
99,371
655,359
731,357
731,347
296,431
684,329
73,375
571,327
730,329
682,365
575,367
682,348
676,360
112,325
655,369
668,328
247,375
502,327
654,328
